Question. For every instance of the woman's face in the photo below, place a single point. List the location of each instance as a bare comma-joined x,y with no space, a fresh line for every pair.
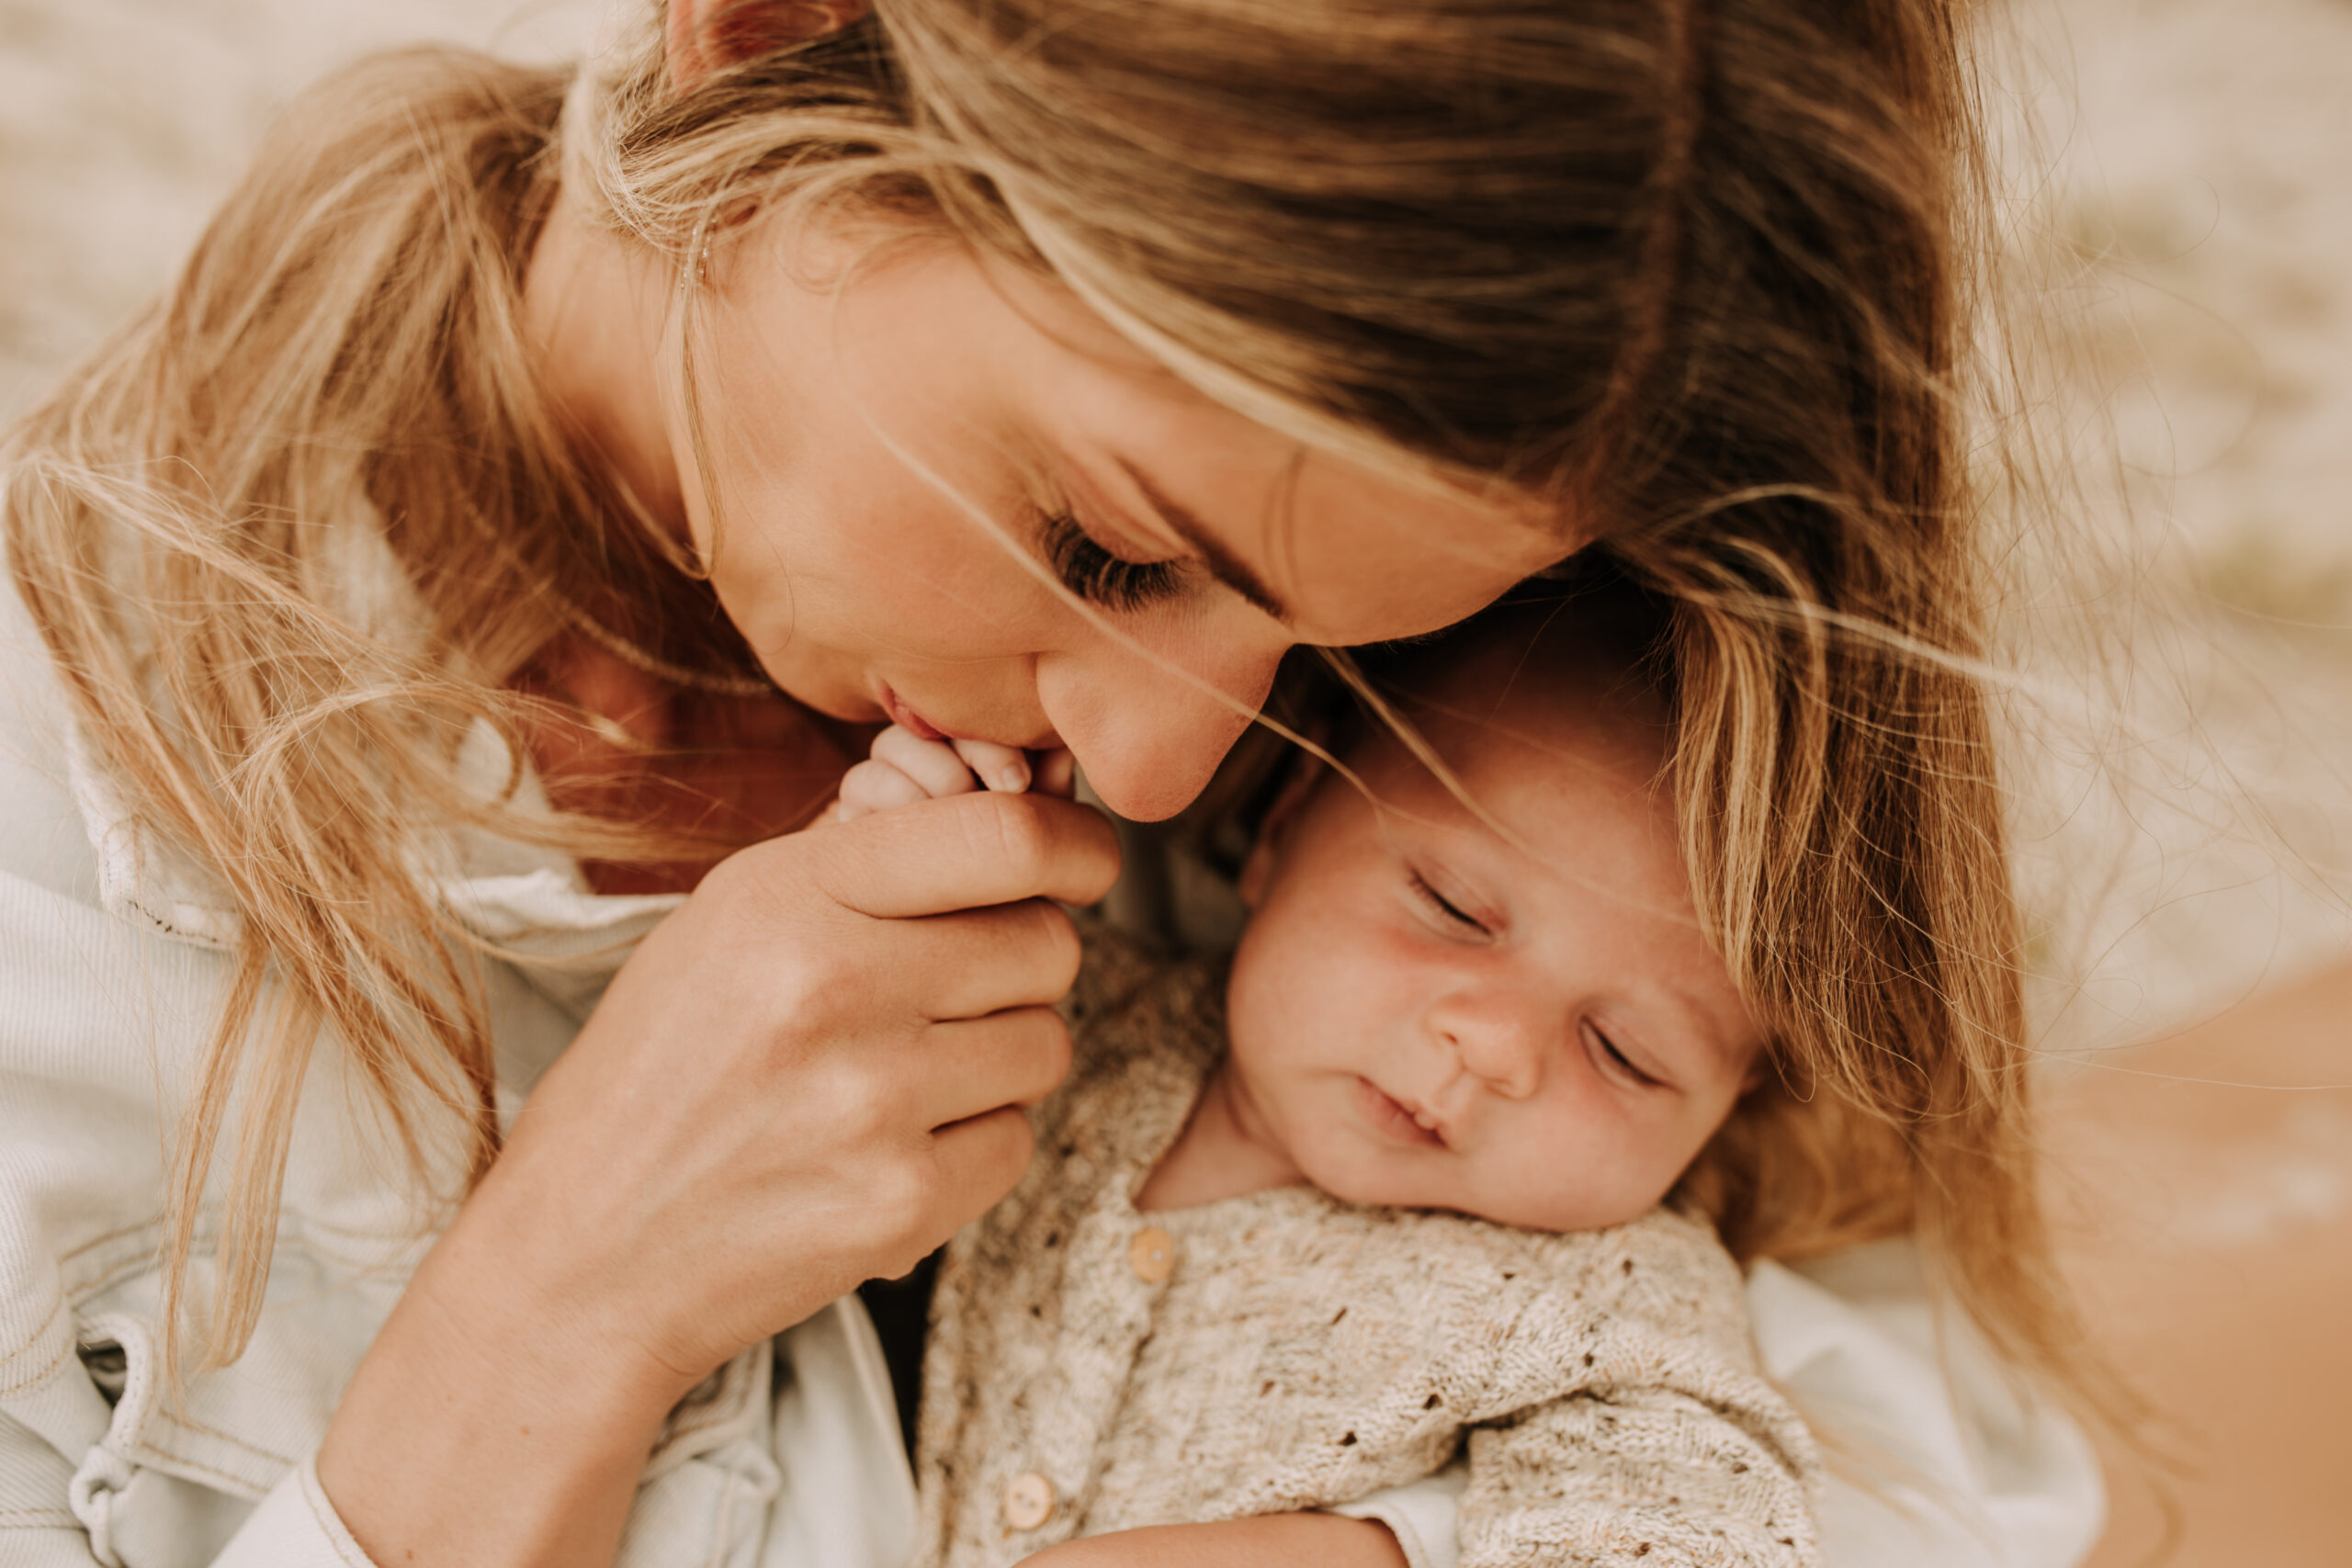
852,411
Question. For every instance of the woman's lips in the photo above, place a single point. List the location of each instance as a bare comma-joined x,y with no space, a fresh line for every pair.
906,718
1391,1120
895,707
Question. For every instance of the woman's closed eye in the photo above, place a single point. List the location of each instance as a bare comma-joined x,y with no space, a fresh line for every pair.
1096,575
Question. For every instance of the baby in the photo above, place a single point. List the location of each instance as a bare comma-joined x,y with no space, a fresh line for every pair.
1391,1189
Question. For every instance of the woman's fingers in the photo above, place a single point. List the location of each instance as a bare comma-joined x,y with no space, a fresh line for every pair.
965,852
978,961
968,963
974,1066
979,1159
822,1050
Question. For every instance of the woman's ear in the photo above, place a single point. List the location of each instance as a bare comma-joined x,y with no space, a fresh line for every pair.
704,36
1258,871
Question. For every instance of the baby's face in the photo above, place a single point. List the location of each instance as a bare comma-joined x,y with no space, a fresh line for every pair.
1424,1016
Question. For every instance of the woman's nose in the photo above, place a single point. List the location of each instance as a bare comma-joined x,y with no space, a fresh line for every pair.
1147,738
1500,1040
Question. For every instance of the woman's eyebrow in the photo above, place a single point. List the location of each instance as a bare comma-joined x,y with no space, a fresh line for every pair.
1223,564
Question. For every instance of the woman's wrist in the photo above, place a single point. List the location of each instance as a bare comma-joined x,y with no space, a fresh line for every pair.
495,1420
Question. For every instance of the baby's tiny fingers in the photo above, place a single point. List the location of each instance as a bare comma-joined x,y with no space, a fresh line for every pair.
932,764
875,785
1001,768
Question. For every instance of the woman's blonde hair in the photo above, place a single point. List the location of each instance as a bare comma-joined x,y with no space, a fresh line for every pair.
1694,268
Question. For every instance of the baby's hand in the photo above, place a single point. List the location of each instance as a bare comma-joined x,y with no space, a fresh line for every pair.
904,769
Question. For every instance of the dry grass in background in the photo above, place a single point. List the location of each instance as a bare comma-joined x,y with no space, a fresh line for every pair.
2185,821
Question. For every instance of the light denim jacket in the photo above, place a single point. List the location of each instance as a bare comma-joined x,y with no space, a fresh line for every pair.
112,961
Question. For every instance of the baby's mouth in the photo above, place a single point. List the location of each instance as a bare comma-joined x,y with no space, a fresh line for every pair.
1396,1120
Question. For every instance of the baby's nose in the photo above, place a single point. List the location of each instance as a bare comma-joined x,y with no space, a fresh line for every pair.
1502,1043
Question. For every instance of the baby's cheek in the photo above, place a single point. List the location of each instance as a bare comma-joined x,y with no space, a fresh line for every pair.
1567,1174
1355,1169
1280,1003
1253,1009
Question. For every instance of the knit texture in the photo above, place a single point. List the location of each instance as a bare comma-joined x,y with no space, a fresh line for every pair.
1302,1352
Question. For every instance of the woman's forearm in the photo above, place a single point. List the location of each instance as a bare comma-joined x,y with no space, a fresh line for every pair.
489,1429
1271,1540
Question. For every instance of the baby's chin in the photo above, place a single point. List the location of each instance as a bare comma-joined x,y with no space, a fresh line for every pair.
1563,1214
1375,1179
1375,1183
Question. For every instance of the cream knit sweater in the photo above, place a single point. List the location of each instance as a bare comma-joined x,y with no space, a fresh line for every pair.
1095,1369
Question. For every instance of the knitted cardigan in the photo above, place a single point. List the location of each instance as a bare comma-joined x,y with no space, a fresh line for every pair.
1094,1369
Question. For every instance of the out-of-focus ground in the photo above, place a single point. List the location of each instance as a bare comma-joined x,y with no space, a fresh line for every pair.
2185,824
2206,1227
124,122
2197,233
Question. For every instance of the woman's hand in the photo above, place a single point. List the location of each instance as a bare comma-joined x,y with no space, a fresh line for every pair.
1271,1540
807,1076
810,1075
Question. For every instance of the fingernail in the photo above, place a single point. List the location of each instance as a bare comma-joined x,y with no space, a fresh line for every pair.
1012,778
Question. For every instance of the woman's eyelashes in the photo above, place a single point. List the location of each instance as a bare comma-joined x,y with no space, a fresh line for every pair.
1099,577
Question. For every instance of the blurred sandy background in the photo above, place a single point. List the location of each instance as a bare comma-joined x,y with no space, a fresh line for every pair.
2180,199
